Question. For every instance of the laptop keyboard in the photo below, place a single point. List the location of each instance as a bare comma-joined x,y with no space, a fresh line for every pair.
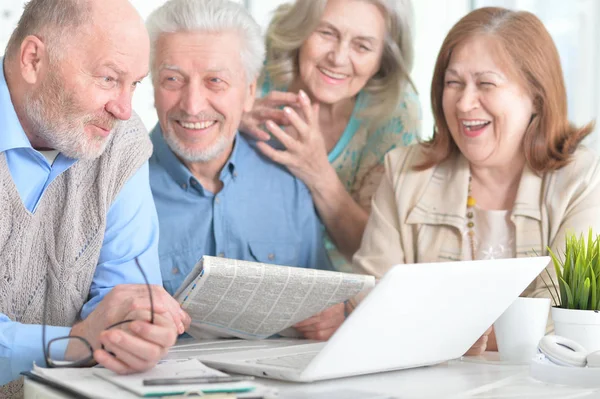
297,361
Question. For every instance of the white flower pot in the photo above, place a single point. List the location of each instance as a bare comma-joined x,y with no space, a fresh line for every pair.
582,326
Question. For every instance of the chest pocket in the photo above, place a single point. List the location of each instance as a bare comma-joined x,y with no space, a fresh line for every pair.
175,266
284,253
437,243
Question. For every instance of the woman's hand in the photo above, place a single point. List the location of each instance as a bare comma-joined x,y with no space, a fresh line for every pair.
267,108
305,155
483,343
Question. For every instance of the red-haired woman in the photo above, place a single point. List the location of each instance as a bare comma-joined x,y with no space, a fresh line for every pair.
505,174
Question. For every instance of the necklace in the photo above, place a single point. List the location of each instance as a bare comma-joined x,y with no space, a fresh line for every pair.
470,224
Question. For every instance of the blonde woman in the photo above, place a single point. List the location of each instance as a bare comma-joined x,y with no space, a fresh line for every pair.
337,95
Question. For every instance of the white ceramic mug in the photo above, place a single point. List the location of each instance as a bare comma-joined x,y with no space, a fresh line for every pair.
520,328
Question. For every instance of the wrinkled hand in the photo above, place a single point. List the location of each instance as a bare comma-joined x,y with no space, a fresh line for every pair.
267,108
481,344
143,344
137,346
322,326
305,155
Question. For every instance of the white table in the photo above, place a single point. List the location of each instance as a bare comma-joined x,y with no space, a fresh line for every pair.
455,379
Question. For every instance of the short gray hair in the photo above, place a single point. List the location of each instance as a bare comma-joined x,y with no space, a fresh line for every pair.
50,21
209,16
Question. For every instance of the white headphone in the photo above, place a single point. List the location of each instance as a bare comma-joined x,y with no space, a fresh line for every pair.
566,352
593,359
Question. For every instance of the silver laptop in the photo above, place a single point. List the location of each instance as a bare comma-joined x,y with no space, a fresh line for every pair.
417,315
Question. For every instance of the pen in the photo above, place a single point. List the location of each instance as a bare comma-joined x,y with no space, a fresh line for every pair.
196,380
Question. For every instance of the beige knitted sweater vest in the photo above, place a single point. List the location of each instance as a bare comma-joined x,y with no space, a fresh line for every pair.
61,241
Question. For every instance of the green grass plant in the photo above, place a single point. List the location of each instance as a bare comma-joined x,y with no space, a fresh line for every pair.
578,273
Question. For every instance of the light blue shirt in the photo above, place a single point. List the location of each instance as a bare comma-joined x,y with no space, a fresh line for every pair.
263,213
131,231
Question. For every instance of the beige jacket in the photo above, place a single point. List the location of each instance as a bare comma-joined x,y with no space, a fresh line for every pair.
418,216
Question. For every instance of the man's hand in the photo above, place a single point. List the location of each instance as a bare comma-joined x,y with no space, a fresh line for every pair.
322,326
486,342
137,345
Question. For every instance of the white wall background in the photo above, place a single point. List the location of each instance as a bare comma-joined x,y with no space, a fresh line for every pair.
574,25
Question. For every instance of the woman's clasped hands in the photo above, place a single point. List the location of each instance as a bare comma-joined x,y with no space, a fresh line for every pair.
305,154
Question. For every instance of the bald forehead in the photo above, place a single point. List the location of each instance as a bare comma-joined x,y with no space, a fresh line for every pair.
115,42
119,21
115,10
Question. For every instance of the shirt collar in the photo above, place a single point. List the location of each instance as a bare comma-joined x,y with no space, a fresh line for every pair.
12,134
178,171
529,195
240,147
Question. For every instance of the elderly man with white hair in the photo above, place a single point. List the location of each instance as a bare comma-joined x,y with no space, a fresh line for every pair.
215,193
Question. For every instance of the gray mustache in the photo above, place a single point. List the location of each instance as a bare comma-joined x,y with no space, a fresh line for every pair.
106,122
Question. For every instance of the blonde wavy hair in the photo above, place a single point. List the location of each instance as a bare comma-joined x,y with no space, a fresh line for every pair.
293,23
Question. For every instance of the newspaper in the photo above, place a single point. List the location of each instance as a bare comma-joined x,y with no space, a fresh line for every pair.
227,297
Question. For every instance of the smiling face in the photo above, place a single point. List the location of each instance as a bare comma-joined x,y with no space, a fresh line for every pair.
200,92
79,101
486,108
344,51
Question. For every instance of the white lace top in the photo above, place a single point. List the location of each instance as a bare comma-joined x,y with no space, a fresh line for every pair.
494,235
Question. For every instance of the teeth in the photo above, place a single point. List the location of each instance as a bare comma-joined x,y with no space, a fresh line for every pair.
332,74
197,125
474,123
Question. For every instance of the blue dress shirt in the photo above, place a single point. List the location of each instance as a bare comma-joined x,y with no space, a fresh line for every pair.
131,231
263,213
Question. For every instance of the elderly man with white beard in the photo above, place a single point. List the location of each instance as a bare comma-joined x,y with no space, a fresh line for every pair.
214,192
77,216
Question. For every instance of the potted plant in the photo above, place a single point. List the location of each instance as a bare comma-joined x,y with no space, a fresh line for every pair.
576,312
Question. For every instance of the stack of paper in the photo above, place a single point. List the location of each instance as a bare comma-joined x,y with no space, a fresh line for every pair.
84,382
96,383
174,369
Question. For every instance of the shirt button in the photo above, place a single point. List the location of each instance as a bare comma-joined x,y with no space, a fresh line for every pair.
184,186
175,270
271,256
234,174
221,255
217,200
